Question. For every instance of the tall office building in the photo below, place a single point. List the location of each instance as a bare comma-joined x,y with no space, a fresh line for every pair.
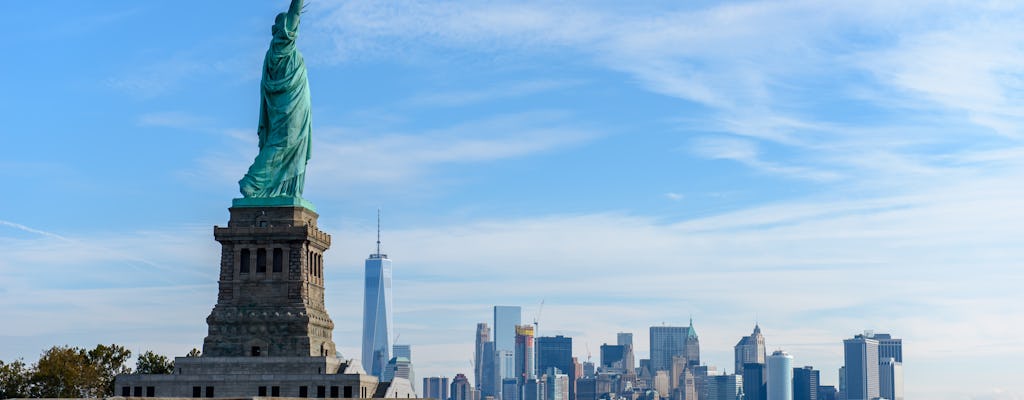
402,350
435,388
754,382
556,352
483,335
889,347
724,387
399,367
629,359
612,358
461,389
780,376
556,385
377,315
505,320
525,368
827,393
890,379
687,388
861,366
671,341
509,389
805,383
489,381
750,349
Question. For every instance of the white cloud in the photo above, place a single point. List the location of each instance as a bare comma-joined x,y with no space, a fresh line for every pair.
347,157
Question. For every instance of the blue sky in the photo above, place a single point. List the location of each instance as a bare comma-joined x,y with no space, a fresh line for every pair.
821,168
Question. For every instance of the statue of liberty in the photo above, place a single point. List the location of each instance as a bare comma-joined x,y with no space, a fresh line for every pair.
285,120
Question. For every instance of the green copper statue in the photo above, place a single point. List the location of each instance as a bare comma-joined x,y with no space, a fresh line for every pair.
285,120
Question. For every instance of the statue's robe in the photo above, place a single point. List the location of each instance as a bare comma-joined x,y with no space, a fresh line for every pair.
285,119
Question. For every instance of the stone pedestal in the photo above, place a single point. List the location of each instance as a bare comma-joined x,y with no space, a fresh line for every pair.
270,300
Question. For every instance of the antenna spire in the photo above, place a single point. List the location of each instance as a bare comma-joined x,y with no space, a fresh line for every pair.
378,232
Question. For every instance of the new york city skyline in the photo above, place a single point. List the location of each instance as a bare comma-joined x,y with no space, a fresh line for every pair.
819,169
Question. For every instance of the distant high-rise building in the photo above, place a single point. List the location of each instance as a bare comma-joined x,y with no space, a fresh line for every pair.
377,315
750,349
489,378
461,389
399,367
505,320
629,359
525,367
828,393
724,387
556,352
861,366
483,335
805,383
586,388
687,388
557,385
890,379
780,376
531,389
672,341
405,351
702,376
435,387
589,370
402,350
612,357
754,383
889,347
509,389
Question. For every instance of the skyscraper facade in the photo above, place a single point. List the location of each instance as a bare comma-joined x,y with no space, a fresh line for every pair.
461,389
557,385
556,352
671,341
435,388
612,358
861,368
889,347
780,376
724,387
377,315
890,379
483,335
629,359
505,320
754,381
805,383
525,368
750,349
489,381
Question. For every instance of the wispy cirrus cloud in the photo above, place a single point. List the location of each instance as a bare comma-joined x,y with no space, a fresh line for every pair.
757,65
342,155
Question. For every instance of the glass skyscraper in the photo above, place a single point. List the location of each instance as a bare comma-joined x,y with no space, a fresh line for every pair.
505,320
780,376
377,315
861,356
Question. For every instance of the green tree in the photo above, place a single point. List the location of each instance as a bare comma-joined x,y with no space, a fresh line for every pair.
63,371
194,353
152,363
15,379
108,362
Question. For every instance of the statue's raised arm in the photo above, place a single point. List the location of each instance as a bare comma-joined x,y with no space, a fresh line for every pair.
294,12
285,124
